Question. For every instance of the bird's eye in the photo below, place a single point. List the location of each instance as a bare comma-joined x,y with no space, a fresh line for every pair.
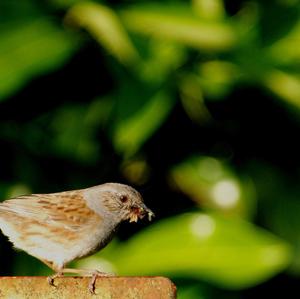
124,198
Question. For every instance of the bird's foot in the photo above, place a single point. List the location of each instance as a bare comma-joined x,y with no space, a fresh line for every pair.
95,274
50,279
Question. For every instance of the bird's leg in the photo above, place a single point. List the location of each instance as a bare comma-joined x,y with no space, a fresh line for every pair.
51,278
59,273
85,272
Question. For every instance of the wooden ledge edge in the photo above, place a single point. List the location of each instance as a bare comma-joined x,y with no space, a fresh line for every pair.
116,287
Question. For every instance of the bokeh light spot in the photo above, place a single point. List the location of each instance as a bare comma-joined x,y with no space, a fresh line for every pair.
226,193
203,226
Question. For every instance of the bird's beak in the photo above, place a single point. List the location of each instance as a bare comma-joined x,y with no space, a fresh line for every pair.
140,212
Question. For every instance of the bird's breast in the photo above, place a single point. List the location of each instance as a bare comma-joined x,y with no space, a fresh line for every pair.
98,237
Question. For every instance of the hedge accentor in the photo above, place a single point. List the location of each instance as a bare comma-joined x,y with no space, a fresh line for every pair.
58,228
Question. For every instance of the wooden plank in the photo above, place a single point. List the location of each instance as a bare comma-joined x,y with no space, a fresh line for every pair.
77,287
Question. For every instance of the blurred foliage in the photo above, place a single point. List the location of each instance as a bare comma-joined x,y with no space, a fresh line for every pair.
195,103
202,248
211,184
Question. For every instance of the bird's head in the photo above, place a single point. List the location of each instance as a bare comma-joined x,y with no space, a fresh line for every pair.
123,202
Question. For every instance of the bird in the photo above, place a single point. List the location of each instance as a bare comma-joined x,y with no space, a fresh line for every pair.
58,228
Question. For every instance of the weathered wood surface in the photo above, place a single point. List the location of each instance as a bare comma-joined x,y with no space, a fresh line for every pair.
77,287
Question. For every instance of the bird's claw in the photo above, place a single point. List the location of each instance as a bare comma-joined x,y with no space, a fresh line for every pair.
95,275
50,279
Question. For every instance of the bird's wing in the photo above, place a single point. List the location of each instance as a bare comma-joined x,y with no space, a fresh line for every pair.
64,209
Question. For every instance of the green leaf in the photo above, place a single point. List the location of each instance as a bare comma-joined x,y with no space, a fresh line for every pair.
139,116
279,205
209,9
162,61
289,45
104,25
29,49
230,253
191,95
284,85
213,185
179,24
217,78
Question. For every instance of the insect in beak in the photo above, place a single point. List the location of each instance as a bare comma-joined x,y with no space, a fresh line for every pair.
150,214
139,212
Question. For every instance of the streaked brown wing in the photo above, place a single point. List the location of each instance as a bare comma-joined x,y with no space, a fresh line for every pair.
64,209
